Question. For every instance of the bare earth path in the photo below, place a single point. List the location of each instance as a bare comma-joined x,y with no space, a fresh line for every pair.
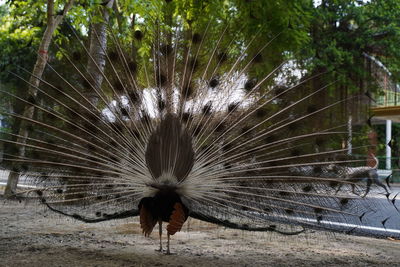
31,236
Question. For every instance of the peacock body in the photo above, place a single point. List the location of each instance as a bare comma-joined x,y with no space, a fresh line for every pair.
190,129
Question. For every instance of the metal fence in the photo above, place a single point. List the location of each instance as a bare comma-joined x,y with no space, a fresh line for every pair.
387,98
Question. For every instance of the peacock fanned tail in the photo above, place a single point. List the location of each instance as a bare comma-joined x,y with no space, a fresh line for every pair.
191,129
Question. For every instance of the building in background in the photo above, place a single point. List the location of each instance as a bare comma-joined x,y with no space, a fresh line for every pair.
385,110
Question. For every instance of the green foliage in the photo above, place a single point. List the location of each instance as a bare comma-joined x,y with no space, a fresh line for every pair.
343,30
17,37
332,36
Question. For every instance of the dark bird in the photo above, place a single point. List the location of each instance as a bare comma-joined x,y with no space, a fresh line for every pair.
168,134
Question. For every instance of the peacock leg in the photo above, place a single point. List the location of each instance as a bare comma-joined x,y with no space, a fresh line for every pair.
168,251
160,233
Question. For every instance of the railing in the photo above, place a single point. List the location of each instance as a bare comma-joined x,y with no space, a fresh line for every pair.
387,98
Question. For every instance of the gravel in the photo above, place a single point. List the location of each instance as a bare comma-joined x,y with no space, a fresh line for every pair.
30,235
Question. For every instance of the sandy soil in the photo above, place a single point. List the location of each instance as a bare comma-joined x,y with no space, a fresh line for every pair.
32,236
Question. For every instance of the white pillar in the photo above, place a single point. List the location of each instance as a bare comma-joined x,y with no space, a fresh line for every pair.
388,149
349,136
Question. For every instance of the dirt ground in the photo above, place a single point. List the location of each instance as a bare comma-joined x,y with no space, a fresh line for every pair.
32,236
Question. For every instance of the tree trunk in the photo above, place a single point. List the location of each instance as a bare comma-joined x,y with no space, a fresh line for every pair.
95,67
52,23
97,47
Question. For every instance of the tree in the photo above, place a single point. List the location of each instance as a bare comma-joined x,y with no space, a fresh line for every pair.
53,20
344,31
98,48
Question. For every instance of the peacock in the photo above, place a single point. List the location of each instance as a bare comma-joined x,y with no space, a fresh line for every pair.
183,124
